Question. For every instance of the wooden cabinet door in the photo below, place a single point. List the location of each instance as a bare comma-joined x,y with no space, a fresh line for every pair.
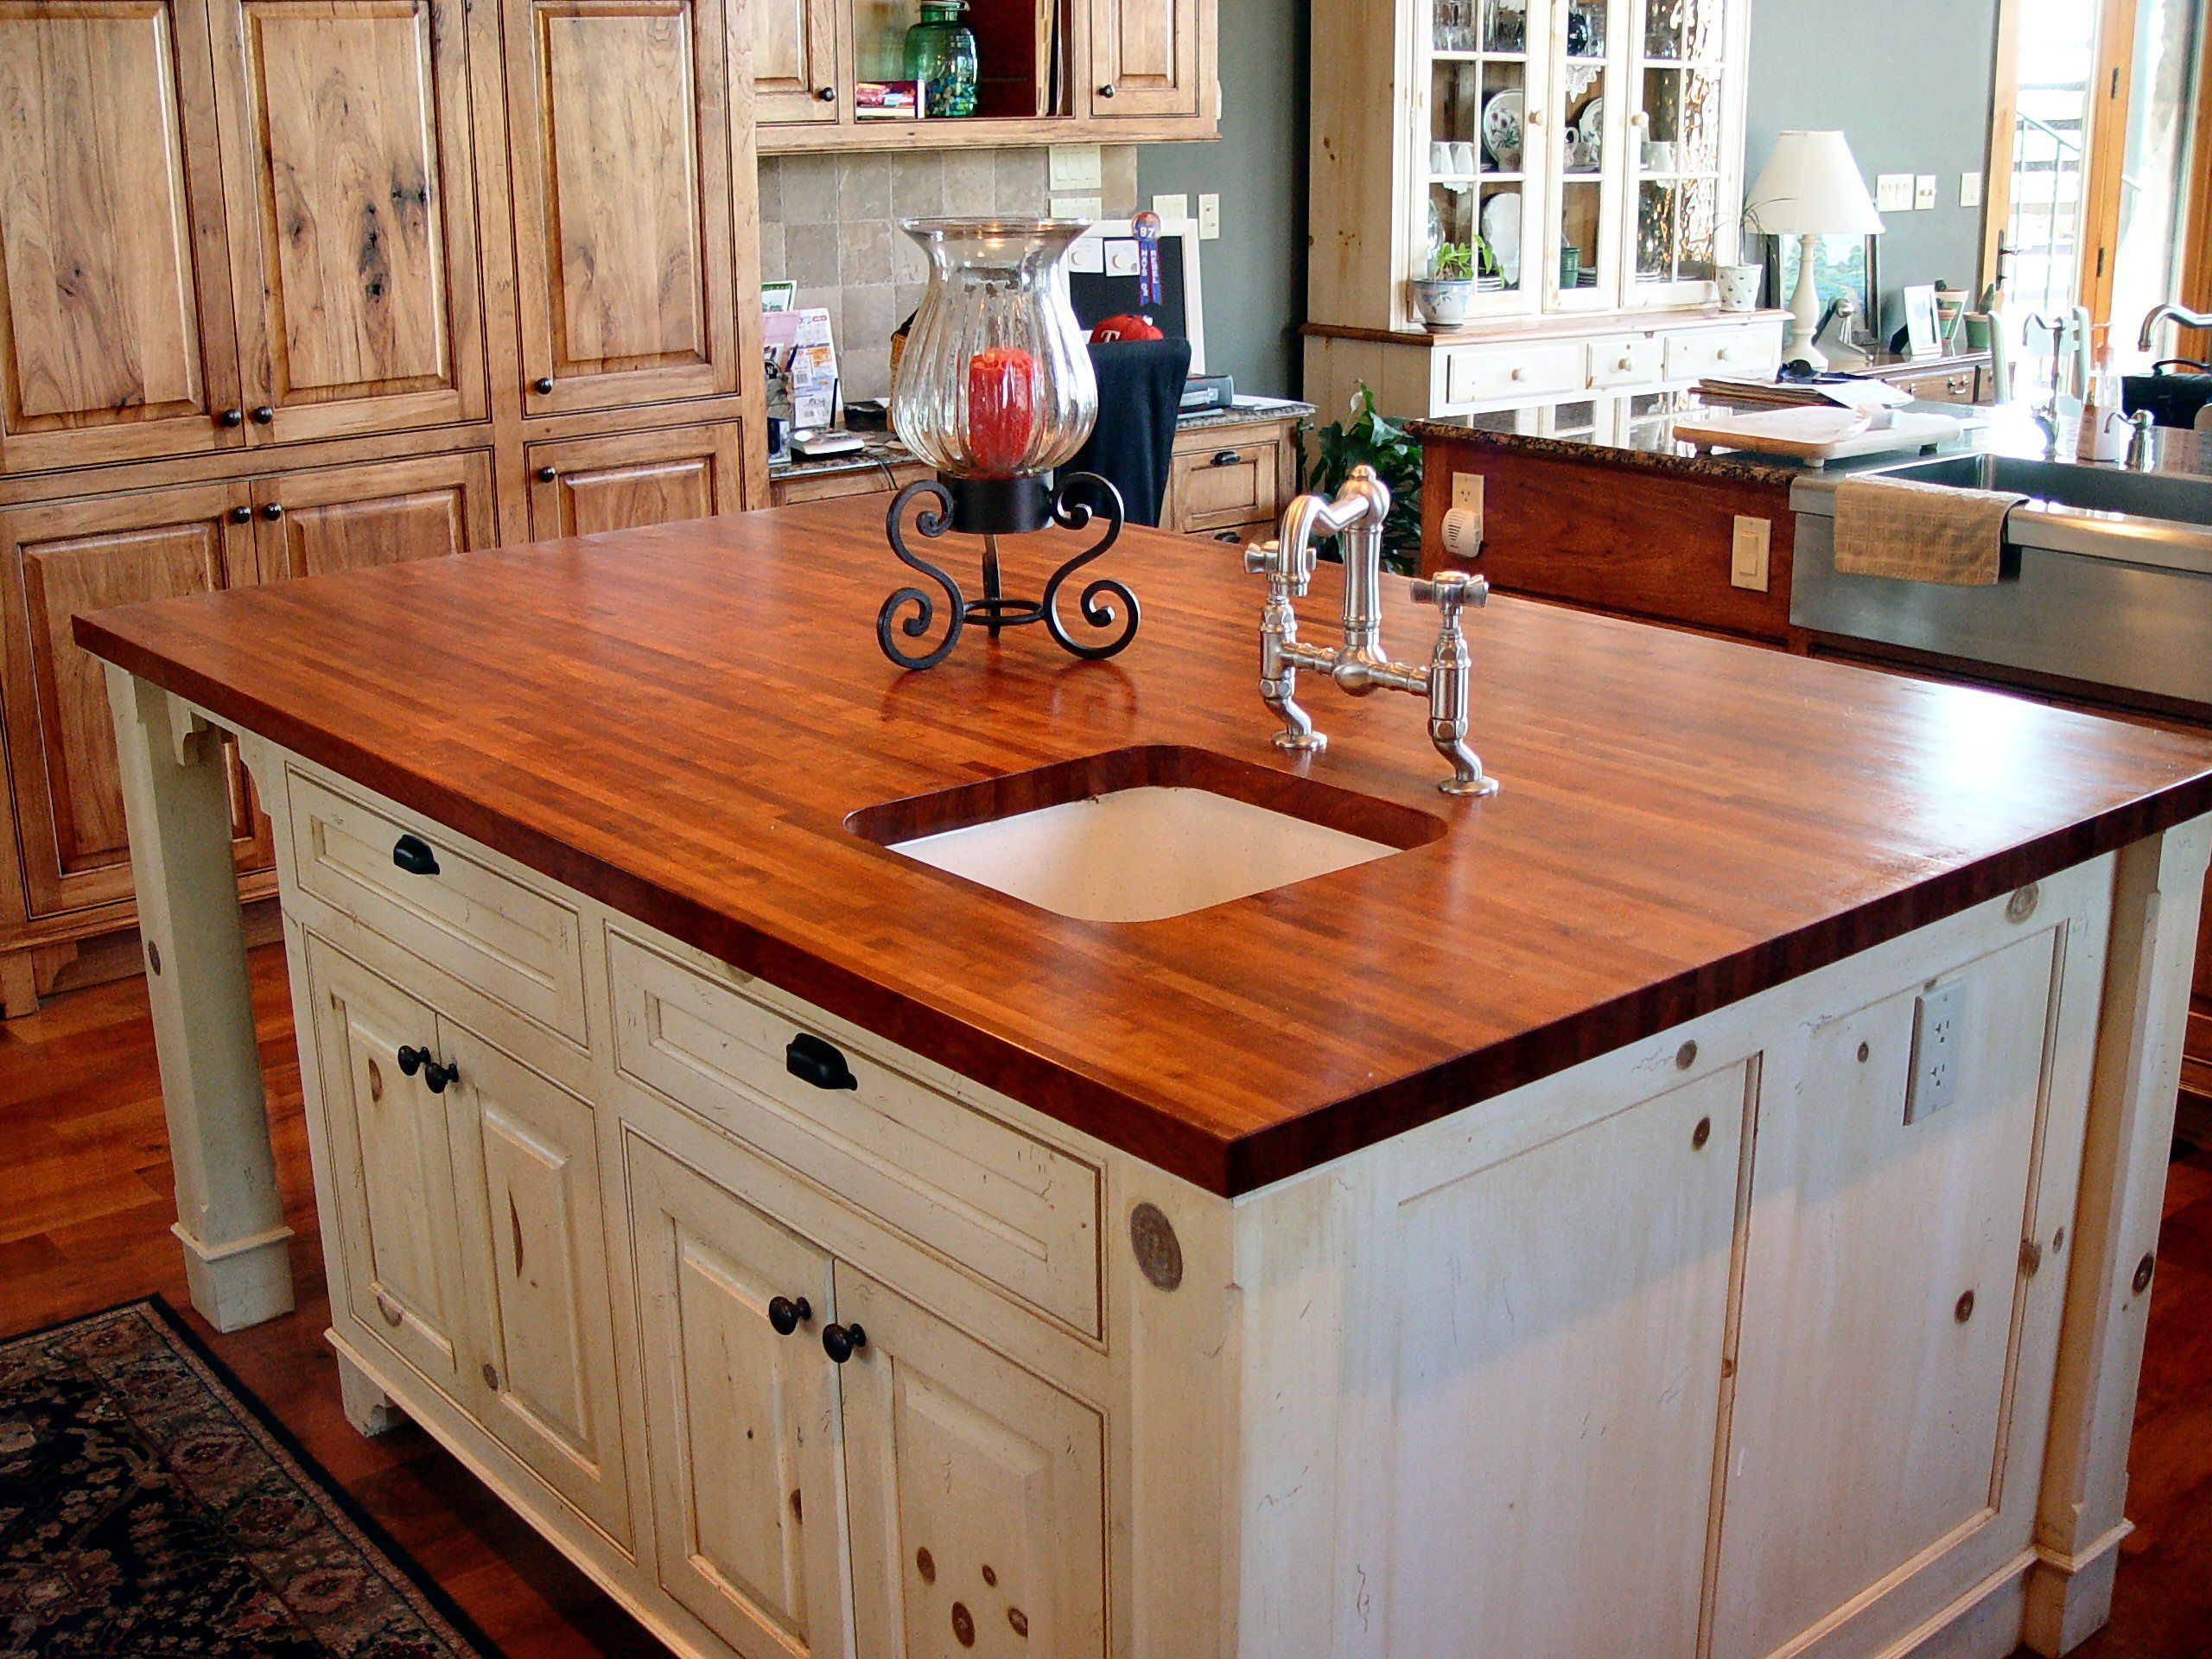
977,1492
618,123
587,484
391,1165
115,320
1873,1398
1572,1299
346,149
526,1158
742,1421
313,524
1144,58
62,558
794,60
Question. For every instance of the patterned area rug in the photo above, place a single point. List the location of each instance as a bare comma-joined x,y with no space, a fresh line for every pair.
151,1509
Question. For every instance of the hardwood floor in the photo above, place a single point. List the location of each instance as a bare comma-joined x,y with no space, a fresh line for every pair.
86,1224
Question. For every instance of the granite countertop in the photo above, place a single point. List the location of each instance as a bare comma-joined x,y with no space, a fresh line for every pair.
885,450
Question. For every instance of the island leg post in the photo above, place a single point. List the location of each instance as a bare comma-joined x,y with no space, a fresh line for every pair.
176,804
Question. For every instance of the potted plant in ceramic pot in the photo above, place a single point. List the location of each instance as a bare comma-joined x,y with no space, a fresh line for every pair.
1740,283
1444,295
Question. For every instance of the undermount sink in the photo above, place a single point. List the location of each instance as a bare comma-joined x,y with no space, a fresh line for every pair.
2094,489
1139,835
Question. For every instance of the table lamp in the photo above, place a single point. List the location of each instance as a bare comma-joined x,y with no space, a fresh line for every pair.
1810,187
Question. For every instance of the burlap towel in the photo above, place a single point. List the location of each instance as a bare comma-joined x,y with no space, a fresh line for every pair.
1919,532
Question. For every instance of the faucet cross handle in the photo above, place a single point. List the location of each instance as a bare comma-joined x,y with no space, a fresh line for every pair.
1450,680
1289,569
1451,592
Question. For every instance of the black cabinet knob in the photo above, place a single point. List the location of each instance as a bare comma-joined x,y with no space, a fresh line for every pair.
411,1059
827,94
241,515
547,474
413,854
231,418
841,1342
1229,535
273,512
1227,457
439,1077
1107,90
542,384
787,1315
263,415
810,1060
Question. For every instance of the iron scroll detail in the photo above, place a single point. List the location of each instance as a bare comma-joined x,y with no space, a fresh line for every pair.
1078,515
931,522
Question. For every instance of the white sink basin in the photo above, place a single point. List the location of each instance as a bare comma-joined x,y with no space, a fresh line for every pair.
1141,835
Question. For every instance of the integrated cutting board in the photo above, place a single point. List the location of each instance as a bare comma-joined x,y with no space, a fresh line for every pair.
1818,434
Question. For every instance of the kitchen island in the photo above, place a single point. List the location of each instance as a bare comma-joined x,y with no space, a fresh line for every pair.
1700,1200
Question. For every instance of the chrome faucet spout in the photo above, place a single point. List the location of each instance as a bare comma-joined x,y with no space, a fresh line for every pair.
2171,313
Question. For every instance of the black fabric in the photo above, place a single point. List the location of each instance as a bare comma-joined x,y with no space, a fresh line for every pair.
2172,399
1140,394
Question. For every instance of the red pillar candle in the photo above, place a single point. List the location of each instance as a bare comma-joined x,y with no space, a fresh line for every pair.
1001,409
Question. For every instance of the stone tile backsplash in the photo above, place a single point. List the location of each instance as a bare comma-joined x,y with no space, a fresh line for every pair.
828,223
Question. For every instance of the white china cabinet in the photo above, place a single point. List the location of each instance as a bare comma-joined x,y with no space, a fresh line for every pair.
1592,151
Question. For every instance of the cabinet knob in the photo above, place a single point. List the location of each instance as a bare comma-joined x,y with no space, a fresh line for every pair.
841,1342
1229,535
1723,354
1107,90
390,1310
413,1060
413,854
787,1315
273,512
827,94
241,515
491,1376
410,1058
1227,457
1518,373
810,1060
547,474
542,384
231,418
263,415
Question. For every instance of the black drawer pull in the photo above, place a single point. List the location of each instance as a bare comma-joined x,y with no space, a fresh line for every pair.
265,416
1229,535
810,1060
841,1342
787,1315
413,854
543,385
1227,457
547,474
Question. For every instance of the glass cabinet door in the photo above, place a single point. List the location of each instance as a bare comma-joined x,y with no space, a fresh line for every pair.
1684,148
1582,128
1481,185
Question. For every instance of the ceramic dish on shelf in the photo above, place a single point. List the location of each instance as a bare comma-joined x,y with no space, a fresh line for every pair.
1501,230
1501,129
1592,126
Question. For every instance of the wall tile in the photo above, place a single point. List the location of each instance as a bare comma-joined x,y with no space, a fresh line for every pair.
771,251
864,254
864,374
918,185
771,177
908,263
811,254
970,183
864,187
810,189
869,319
1020,185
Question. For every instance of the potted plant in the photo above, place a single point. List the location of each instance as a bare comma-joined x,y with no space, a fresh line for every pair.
1740,283
1444,295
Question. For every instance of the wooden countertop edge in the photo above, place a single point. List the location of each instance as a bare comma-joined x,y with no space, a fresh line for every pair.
1227,1166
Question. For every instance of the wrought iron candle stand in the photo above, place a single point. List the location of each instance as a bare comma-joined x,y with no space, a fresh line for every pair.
990,508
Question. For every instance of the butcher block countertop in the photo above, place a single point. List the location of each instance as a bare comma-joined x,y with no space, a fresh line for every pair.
678,721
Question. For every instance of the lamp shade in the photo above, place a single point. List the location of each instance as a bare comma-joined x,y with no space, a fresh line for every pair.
1811,187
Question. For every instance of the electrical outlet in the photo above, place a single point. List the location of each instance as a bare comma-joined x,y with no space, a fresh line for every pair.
1172,210
1893,192
1075,170
1467,491
1969,189
1754,540
1923,192
1933,1082
1210,217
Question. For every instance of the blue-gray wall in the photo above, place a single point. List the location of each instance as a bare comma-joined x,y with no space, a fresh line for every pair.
1908,82
1255,274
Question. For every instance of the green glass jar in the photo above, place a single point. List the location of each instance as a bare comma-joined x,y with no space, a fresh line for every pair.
941,54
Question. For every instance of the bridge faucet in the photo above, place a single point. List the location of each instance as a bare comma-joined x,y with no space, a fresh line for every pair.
2172,313
1358,664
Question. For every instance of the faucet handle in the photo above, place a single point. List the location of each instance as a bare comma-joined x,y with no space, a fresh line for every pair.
1451,592
1291,568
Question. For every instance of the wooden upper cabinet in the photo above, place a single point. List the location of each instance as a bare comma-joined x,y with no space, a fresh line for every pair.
314,524
115,322
62,558
1145,58
352,216
619,127
795,59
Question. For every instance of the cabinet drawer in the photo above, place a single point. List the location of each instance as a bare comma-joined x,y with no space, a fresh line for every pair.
1717,351
1225,483
1484,374
1956,387
1630,360
1000,1203
518,945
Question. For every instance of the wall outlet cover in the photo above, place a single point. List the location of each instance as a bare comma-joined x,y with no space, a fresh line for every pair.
1075,170
1172,210
1210,217
1893,192
1969,189
1933,1082
1467,493
1923,192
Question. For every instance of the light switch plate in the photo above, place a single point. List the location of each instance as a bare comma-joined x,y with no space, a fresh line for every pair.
1210,217
1172,210
1075,170
1923,191
1969,189
1747,565
1893,192
1934,1081
1079,207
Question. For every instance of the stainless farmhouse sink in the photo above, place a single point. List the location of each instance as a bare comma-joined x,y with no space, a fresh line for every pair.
2095,489
1139,834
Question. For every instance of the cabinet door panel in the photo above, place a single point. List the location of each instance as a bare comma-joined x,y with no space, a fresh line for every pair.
1870,1401
528,1159
589,485
115,329
1147,52
353,517
1572,1299
977,1492
794,60
65,557
743,1422
347,154
618,124
391,1165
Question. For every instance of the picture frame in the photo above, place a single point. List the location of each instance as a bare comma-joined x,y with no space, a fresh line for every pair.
1923,338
